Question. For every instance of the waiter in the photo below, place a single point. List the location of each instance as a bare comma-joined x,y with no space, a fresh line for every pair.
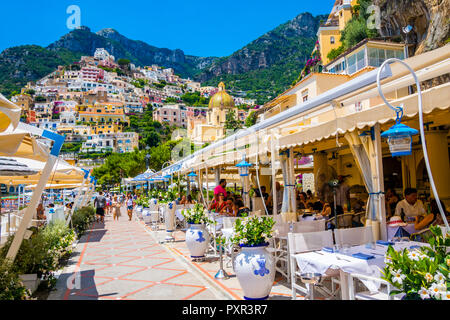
221,188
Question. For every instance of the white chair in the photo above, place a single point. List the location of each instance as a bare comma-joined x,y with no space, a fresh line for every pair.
309,226
382,293
353,236
257,213
228,222
278,248
305,242
257,204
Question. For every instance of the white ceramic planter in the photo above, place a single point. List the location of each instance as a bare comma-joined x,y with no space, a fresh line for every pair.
30,281
197,240
255,270
146,215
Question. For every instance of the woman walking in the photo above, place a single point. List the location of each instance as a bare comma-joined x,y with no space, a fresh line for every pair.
116,204
130,205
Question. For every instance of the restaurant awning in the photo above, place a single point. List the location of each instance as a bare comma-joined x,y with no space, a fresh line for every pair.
63,173
436,98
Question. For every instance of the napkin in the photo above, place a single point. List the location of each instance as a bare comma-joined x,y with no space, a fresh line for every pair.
363,256
385,243
414,247
328,249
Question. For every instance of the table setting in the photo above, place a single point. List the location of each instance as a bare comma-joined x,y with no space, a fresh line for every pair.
368,259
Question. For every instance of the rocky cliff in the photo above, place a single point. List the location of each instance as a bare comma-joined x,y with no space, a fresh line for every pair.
430,20
283,43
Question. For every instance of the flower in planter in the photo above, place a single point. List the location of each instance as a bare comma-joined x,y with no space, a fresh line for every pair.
253,231
421,273
398,277
424,294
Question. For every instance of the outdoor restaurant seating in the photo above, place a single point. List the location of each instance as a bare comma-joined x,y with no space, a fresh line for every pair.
353,236
382,292
305,242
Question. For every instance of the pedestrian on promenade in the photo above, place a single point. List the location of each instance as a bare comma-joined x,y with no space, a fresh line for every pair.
116,204
100,204
130,204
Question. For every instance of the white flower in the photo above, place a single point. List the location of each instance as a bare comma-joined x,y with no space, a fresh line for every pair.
388,260
398,277
244,230
424,293
439,277
446,296
413,255
429,277
438,290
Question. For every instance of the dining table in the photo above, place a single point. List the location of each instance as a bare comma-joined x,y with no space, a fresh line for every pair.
366,259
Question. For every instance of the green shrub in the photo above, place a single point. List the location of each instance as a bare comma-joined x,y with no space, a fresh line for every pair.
41,254
82,218
11,287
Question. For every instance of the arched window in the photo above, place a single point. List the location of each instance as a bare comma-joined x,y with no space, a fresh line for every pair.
332,40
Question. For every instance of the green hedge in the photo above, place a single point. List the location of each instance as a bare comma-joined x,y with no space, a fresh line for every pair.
82,218
11,287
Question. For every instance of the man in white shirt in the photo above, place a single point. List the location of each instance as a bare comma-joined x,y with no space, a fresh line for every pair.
410,205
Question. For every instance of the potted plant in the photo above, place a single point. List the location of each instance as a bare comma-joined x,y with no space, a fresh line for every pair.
197,237
422,273
254,265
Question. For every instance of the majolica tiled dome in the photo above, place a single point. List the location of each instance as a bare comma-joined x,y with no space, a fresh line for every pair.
221,99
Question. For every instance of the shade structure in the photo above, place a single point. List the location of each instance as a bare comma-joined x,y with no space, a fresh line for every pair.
63,173
57,186
11,167
19,143
9,114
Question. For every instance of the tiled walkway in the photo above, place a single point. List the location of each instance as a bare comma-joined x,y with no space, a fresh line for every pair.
122,260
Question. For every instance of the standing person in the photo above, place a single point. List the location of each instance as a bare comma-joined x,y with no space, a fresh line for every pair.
221,188
342,193
116,204
130,205
100,204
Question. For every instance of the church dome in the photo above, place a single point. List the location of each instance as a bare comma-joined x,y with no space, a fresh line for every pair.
221,99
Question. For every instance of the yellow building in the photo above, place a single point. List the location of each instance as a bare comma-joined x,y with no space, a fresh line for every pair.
107,128
329,33
103,114
214,129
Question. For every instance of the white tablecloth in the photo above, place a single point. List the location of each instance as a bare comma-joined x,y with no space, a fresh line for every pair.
321,261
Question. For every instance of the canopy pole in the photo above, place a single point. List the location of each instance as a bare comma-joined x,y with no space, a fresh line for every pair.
207,187
379,181
274,174
18,237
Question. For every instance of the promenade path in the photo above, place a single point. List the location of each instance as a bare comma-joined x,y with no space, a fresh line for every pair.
122,260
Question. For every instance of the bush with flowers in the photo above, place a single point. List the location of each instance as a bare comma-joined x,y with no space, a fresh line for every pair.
421,273
253,231
197,215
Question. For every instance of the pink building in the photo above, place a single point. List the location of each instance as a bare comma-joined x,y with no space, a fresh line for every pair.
92,73
175,114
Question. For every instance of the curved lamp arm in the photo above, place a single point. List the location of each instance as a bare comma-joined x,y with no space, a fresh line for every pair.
422,130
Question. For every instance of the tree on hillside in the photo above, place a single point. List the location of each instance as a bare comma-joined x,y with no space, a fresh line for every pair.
232,123
123,62
251,119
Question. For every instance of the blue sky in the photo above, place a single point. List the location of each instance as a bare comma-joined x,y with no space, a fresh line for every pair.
198,27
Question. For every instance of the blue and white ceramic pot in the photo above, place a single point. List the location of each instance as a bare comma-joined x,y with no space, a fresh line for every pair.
197,240
255,270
